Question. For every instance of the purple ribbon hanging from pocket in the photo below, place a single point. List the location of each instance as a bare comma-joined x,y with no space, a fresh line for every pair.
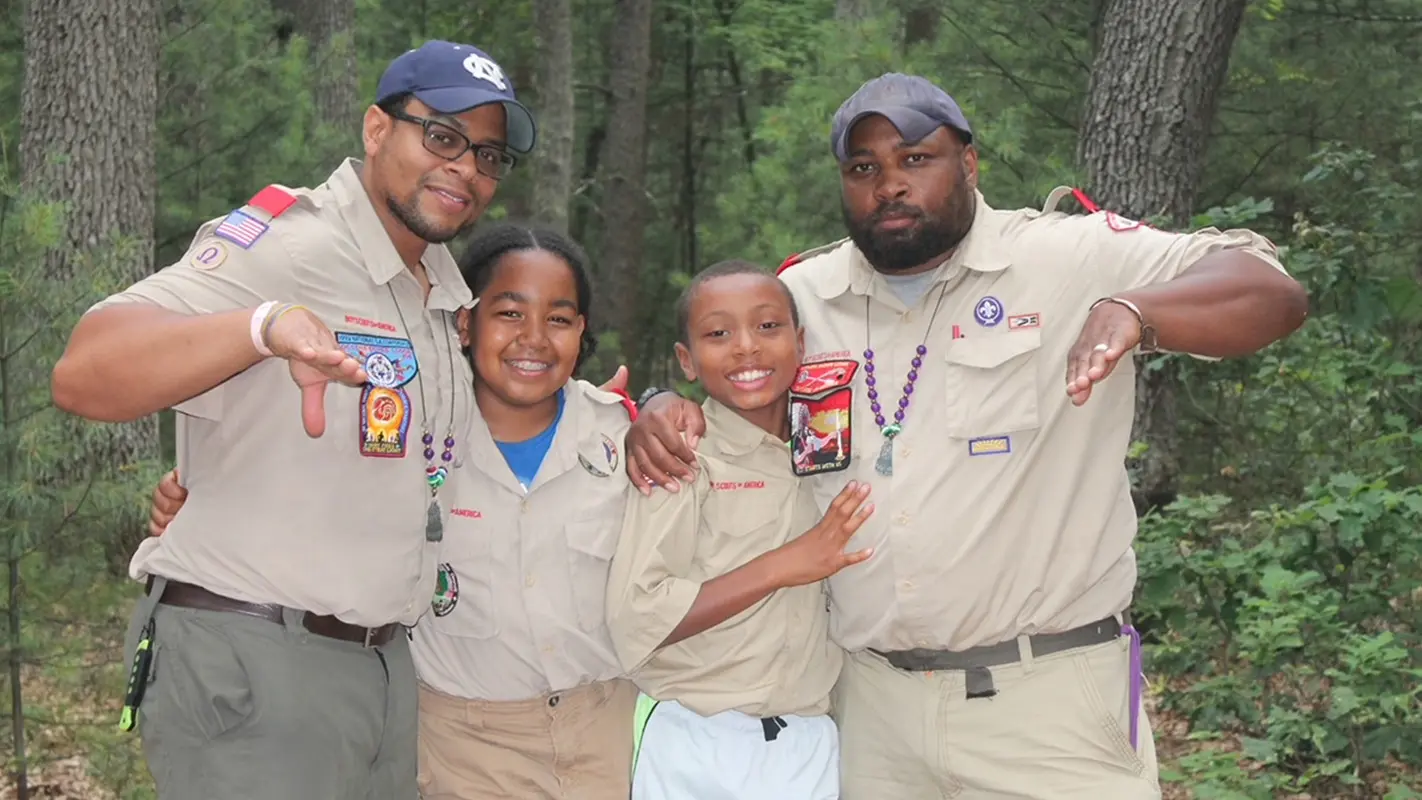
1137,681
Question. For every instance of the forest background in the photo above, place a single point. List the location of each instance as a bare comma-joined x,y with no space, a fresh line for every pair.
1281,514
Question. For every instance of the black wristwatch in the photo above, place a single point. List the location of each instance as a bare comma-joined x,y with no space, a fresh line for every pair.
652,391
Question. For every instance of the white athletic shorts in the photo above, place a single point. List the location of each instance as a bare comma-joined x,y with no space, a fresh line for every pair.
686,756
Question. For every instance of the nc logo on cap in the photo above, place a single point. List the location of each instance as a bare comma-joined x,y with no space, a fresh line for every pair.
486,70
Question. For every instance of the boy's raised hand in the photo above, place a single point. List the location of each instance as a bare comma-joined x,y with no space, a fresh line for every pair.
819,552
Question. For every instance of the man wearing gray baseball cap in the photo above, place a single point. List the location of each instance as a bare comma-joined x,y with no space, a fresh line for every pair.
965,352
914,106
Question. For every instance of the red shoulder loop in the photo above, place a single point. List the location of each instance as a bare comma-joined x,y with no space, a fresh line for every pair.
274,200
1086,202
627,403
788,263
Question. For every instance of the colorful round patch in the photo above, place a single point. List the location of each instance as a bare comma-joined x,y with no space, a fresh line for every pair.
446,595
209,256
988,311
381,370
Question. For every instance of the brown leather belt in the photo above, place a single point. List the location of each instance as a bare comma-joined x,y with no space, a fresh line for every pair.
186,595
994,655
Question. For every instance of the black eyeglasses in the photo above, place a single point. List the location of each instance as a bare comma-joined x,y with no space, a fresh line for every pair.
450,144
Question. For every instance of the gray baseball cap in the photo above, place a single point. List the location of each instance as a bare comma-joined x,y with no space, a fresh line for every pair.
913,104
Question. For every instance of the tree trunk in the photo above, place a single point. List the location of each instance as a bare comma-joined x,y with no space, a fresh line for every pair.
623,165
328,26
88,124
1155,87
921,18
853,10
553,168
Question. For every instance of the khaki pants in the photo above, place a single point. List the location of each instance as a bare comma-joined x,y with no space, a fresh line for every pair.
239,708
1058,728
573,745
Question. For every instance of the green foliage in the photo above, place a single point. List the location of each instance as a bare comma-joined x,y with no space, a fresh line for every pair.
1280,595
52,498
1297,625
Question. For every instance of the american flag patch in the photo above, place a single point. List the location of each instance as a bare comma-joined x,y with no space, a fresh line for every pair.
241,229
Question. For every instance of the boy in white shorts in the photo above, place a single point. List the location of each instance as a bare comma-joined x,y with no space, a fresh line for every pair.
715,600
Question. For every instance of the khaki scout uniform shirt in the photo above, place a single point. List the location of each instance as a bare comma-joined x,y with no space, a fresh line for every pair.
1009,510
518,610
772,659
252,527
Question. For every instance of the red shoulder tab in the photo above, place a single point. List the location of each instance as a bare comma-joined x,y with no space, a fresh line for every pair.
627,403
1086,202
274,200
788,263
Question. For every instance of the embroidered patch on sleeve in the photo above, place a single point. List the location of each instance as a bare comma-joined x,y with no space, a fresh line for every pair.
209,256
384,403
821,408
241,229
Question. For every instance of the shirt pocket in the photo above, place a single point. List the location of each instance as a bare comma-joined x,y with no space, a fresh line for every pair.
992,384
745,524
463,602
738,512
591,544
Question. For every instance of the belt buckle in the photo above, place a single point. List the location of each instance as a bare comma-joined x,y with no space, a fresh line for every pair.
369,634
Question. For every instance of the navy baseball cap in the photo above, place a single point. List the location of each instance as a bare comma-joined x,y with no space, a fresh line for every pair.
452,78
913,104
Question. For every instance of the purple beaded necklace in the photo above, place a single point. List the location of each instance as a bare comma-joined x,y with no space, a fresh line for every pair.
884,464
436,473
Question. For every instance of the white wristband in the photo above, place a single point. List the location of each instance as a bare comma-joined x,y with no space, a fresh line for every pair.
259,318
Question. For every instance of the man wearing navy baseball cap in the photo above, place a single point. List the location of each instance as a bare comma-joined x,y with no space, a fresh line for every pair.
308,341
990,652
454,78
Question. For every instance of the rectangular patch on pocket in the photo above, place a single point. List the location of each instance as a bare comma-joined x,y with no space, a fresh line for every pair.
990,446
821,409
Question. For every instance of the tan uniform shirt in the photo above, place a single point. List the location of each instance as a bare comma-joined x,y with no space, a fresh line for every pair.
253,528
772,659
1009,509
518,611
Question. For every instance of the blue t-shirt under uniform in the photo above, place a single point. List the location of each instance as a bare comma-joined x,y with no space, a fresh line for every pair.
525,457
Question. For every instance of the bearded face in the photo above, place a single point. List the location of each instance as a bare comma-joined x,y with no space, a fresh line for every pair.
907,206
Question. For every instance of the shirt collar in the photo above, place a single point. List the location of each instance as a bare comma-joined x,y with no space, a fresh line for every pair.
731,434
448,291
981,251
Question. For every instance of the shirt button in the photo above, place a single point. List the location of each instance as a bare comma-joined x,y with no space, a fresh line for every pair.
553,701
548,648
901,519
529,581
922,642
903,452
906,585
